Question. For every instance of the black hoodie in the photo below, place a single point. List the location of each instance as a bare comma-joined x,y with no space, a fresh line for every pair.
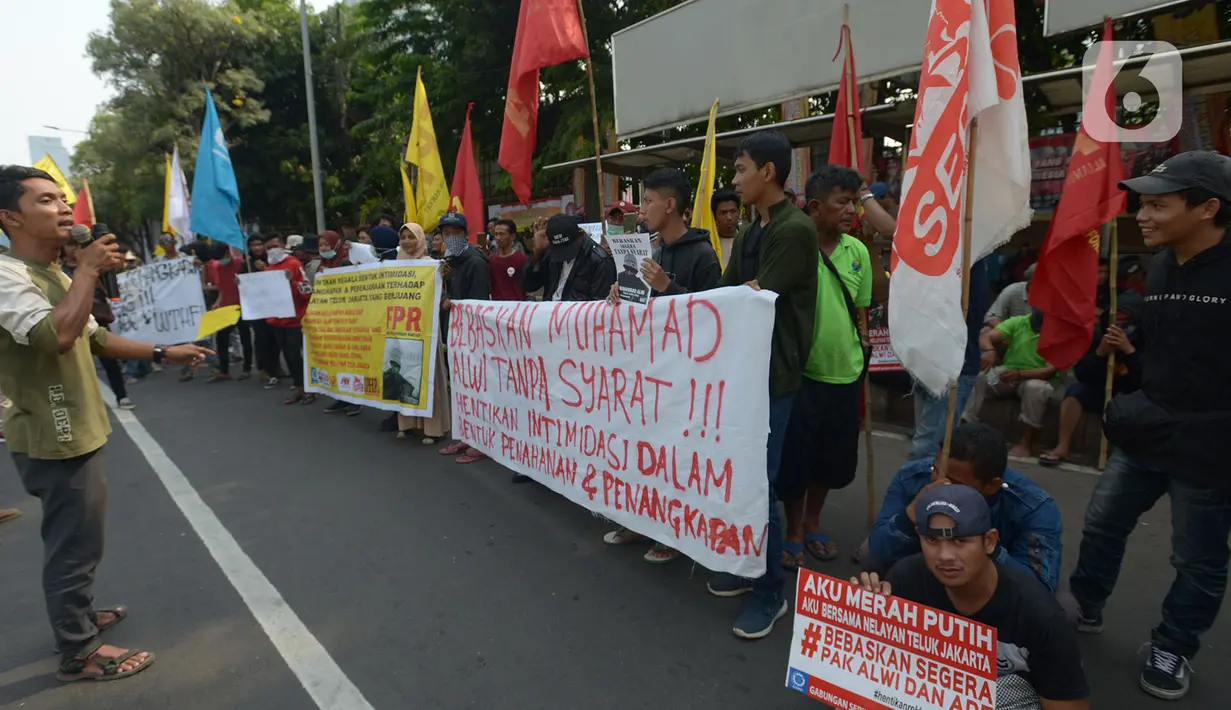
690,263
1178,420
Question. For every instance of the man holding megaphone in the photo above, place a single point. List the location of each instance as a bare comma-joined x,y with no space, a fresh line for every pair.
57,426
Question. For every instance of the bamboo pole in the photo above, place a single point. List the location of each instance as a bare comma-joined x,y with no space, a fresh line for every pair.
855,152
967,224
598,148
1114,235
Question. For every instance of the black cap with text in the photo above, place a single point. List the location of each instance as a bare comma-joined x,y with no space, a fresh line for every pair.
564,235
965,506
1197,168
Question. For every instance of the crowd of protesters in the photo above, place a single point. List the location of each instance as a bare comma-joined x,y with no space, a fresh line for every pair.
968,535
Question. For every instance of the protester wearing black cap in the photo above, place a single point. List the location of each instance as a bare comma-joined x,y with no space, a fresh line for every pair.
1169,435
567,264
1088,392
468,272
1038,661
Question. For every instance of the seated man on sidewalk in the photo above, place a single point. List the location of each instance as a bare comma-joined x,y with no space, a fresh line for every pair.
1088,392
1026,516
1038,660
1023,372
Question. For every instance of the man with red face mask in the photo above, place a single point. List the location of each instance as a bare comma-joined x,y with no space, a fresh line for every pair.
1168,435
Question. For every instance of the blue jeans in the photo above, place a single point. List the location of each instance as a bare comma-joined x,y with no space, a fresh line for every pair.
137,369
769,585
1200,525
931,414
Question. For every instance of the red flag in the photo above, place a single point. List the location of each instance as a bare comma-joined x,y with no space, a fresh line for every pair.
83,210
848,125
1065,282
466,188
549,32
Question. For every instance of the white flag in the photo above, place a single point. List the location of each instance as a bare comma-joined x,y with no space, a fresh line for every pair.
178,203
970,69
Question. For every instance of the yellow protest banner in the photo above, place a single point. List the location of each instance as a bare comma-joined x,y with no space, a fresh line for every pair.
370,335
217,319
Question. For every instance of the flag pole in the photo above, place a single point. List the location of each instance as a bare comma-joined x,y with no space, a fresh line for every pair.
967,224
598,148
855,151
1114,235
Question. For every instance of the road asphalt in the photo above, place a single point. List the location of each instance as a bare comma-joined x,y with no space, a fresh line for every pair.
334,566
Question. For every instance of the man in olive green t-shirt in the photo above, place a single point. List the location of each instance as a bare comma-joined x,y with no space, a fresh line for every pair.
57,425
1023,372
821,452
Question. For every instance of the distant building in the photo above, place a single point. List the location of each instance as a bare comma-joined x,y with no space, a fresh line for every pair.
53,146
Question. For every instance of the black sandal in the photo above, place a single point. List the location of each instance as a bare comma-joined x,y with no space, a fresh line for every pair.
118,614
73,669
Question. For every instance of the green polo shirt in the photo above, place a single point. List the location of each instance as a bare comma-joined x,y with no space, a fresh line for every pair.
1022,352
57,410
837,352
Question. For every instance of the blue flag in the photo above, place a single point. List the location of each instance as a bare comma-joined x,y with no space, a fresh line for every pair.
215,196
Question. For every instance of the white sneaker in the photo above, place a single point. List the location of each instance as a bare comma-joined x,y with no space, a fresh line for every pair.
156,367
127,404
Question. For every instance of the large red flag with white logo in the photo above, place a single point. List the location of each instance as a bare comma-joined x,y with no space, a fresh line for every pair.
549,32
970,70
1065,283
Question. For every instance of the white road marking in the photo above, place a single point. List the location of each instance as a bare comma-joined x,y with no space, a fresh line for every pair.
312,665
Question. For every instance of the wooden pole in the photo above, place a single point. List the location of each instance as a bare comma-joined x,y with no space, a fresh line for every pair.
1114,236
855,142
967,224
598,148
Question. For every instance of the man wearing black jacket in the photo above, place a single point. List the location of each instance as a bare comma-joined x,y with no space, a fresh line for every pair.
685,264
567,264
468,274
1169,434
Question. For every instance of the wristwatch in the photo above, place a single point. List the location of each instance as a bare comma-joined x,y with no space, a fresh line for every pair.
865,198
160,354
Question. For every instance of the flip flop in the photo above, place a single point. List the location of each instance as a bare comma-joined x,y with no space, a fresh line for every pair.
822,539
795,550
622,537
1050,460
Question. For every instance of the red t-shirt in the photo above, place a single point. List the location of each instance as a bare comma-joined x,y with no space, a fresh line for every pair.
225,277
506,273
301,292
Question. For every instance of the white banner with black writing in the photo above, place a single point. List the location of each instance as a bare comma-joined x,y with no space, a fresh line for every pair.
161,303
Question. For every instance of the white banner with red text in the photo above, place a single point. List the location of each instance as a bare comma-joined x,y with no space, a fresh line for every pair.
655,417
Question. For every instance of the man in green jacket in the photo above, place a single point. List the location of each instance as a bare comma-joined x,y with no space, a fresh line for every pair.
776,252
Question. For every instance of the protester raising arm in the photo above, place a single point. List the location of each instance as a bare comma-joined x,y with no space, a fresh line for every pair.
536,274
72,314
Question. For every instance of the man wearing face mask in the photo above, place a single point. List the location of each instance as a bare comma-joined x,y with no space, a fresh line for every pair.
468,272
222,274
288,332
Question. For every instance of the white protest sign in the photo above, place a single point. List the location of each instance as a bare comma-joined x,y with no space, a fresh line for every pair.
629,251
266,294
853,648
653,417
161,303
594,230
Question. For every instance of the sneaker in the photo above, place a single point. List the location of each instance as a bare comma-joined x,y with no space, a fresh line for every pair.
1165,675
155,368
271,383
1090,623
757,619
335,407
127,404
218,377
724,584
354,410
130,381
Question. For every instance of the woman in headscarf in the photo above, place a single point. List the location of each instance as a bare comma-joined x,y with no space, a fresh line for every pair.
413,245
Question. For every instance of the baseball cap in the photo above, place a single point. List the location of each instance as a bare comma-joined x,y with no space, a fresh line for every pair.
965,506
621,206
564,235
879,190
1195,168
294,241
454,219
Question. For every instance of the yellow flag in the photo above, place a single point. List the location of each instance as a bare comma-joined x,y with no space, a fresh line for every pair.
702,210
48,165
217,319
425,172
408,193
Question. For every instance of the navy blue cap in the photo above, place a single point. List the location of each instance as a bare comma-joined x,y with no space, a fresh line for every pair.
965,506
879,190
454,219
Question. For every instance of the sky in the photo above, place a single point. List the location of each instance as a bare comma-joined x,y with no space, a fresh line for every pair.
47,78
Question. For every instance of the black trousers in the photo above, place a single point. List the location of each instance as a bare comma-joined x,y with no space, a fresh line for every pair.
224,347
290,344
115,376
266,348
73,493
